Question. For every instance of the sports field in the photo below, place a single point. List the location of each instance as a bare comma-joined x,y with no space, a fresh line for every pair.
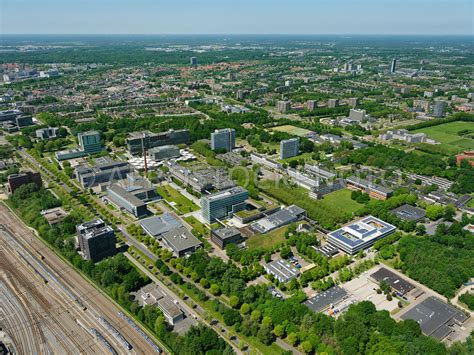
296,131
447,135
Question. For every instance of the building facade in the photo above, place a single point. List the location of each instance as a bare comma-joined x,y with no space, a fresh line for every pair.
223,139
289,148
96,240
224,203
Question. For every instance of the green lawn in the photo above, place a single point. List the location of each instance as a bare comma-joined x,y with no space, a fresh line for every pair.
268,240
447,135
290,129
198,226
174,197
340,200
335,209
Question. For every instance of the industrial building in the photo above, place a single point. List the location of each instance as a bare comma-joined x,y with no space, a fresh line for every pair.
104,170
325,299
225,236
375,191
223,139
96,240
396,283
289,148
279,219
137,142
180,241
282,270
360,235
435,317
14,181
89,144
223,204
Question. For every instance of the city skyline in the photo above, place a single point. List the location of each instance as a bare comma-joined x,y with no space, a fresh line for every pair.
439,17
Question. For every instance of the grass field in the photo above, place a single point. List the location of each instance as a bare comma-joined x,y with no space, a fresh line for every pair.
447,135
340,200
180,202
268,240
296,131
334,209
198,226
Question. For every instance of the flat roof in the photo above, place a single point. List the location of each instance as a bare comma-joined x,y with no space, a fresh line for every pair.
181,239
280,218
362,231
283,269
158,225
395,281
226,233
434,317
409,213
169,308
324,299
130,198
226,193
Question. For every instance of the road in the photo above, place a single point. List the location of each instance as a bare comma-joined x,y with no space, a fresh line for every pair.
76,285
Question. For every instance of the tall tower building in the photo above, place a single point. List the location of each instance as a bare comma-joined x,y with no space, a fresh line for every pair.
393,65
223,139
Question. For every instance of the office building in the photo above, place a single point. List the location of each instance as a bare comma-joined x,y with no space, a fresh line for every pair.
46,133
360,235
282,270
156,226
180,241
123,199
260,159
164,152
404,135
311,105
283,106
333,103
225,236
438,108
170,310
9,115
137,142
353,102
357,115
89,143
289,148
14,181
96,240
279,219
223,139
373,190
409,213
54,215
193,61
201,180
393,66
105,170
23,121
223,204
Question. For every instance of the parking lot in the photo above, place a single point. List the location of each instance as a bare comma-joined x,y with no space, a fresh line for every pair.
363,288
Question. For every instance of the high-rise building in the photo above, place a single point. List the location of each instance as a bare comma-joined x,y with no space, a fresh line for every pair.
283,106
223,139
332,103
289,148
14,181
164,152
223,204
357,115
46,133
89,142
311,105
438,108
96,240
193,61
393,65
354,102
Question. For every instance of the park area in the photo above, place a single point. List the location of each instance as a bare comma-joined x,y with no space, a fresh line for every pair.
295,131
454,137
177,200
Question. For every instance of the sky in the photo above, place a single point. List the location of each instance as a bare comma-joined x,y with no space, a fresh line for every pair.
237,17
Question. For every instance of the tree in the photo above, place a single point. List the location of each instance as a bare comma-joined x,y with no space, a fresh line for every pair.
434,212
307,346
256,315
449,212
279,331
265,335
292,338
215,289
245,308
234,301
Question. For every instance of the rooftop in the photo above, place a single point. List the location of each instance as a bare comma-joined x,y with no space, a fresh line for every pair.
282,269
326,298
158,225
180,239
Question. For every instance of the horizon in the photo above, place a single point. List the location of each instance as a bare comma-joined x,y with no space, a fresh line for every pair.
212,17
